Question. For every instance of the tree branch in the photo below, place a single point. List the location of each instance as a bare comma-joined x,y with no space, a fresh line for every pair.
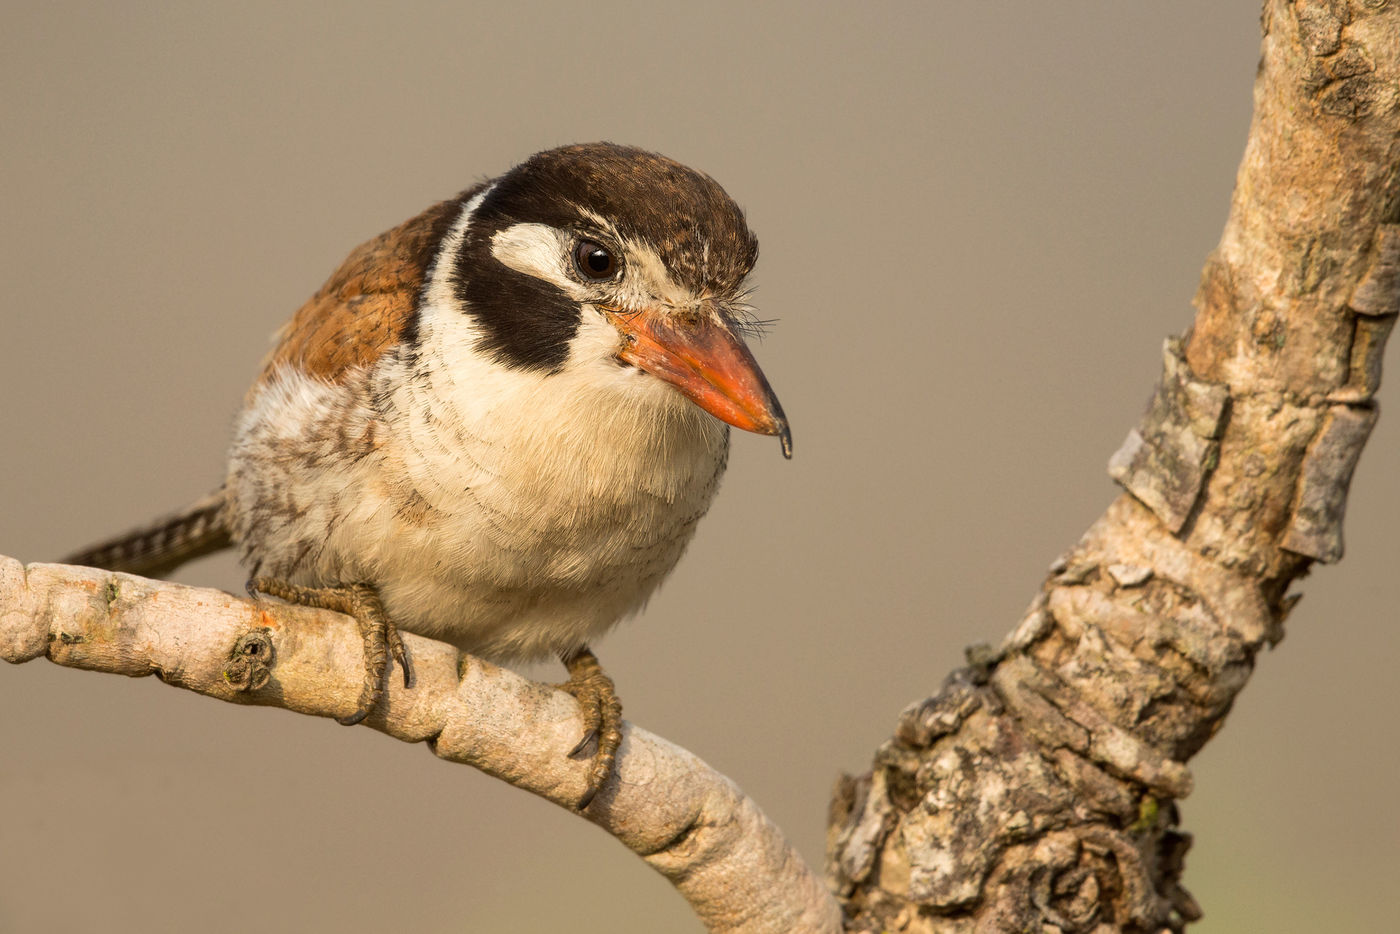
687,821
1036,790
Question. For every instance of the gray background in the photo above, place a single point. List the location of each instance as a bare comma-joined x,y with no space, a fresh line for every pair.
978,223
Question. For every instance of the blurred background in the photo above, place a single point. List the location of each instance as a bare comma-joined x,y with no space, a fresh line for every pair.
978,223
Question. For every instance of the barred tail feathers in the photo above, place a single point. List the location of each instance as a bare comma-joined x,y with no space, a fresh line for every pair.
197,530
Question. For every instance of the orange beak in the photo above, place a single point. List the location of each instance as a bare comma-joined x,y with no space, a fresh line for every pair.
704,359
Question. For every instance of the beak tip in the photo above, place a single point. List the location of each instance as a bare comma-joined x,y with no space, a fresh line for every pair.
785,438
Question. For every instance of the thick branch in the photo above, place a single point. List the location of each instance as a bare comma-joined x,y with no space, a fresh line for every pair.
688,822
1036,790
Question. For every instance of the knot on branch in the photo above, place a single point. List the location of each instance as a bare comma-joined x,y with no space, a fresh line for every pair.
250,661
1035,790
1073,881
983,848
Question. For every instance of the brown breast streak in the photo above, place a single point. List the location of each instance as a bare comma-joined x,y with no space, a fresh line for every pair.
362,310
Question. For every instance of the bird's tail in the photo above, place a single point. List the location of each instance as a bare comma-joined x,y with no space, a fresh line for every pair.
162,546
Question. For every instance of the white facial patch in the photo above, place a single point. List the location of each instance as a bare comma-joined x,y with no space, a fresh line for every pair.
536,250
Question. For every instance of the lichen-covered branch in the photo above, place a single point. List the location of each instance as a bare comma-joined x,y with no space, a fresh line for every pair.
687,821
1035,791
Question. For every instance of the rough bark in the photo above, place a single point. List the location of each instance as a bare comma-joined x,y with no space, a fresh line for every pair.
1035,791
687,821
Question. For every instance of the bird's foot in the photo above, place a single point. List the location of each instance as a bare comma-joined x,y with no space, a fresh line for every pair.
360,601
602,717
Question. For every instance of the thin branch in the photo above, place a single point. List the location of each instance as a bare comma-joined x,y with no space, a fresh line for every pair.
690,823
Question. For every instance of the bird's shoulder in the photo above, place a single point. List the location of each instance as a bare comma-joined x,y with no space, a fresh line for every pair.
367,305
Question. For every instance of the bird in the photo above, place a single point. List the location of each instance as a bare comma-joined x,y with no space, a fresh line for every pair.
498,423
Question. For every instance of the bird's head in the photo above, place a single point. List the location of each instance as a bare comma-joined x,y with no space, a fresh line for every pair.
600,255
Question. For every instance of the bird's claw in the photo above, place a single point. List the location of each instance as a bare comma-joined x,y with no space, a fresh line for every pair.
381,637
602,719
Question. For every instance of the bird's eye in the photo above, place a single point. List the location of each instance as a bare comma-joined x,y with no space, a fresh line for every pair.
594,261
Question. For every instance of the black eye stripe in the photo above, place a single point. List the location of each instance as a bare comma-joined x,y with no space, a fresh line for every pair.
595,261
